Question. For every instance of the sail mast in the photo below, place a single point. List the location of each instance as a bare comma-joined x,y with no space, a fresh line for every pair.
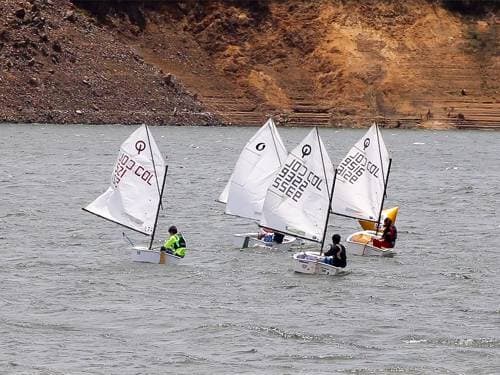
330,197
383,195
329,210
322,161
153,160
158,209
274,142
380,152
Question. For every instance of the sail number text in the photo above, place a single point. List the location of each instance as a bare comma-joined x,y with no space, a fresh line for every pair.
125,164
353,167
294,178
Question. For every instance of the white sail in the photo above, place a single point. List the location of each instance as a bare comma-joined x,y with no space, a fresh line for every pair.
361,176
258,163
225,193
132,199
297,201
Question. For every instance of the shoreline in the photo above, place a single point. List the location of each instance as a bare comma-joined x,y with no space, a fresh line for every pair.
193,122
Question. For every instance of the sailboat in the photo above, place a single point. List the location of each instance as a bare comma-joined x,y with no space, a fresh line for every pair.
245,191
133,199
298,201
360,189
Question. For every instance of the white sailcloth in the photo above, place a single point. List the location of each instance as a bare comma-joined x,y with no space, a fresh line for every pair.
257,165
361,176
133,197
297,201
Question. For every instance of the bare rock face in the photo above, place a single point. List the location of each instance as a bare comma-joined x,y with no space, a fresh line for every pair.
58,64
170,80
70,16
20,13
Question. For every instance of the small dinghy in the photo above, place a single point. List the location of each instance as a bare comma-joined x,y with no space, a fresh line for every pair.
145,255
360,190
313,263
298,201
246,189
134,198
360,243
246,240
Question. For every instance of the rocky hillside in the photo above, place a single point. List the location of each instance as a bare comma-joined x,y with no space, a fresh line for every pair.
59,64
326,62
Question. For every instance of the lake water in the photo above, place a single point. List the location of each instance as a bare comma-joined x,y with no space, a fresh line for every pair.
71,301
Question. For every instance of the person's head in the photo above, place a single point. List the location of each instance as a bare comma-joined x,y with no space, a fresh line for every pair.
172,229
387,221
336,238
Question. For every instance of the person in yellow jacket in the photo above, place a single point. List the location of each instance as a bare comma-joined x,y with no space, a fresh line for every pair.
175,244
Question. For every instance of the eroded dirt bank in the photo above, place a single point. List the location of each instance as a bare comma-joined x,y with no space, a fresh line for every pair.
335,63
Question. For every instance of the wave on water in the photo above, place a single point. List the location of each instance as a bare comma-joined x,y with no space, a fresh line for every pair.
34,262
42,370
271,331
457,189
307,337
318,357
457,275
483,342
40,326
275,331
15,214
397,370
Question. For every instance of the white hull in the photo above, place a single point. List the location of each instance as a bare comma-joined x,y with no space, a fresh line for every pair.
310,262
359,243
245,240
144,255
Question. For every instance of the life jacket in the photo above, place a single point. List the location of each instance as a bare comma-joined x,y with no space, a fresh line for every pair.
177,244
331,255
391,235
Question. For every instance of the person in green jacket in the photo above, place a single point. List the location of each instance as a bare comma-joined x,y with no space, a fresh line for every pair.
175,244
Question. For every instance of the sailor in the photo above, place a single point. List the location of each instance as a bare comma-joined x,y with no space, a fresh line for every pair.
175,244
336,255
389,236
268,235
278,237
265,234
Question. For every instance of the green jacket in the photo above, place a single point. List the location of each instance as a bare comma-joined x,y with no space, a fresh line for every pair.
177,244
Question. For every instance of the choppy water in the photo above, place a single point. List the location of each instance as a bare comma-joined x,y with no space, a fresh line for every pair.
71,302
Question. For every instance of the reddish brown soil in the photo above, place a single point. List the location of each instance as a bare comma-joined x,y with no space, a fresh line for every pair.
325,62
59,65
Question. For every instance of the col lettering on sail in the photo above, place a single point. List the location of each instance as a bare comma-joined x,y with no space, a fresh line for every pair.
361,177
136,181
297,201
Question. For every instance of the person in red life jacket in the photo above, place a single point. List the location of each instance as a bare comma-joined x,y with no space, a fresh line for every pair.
389,236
